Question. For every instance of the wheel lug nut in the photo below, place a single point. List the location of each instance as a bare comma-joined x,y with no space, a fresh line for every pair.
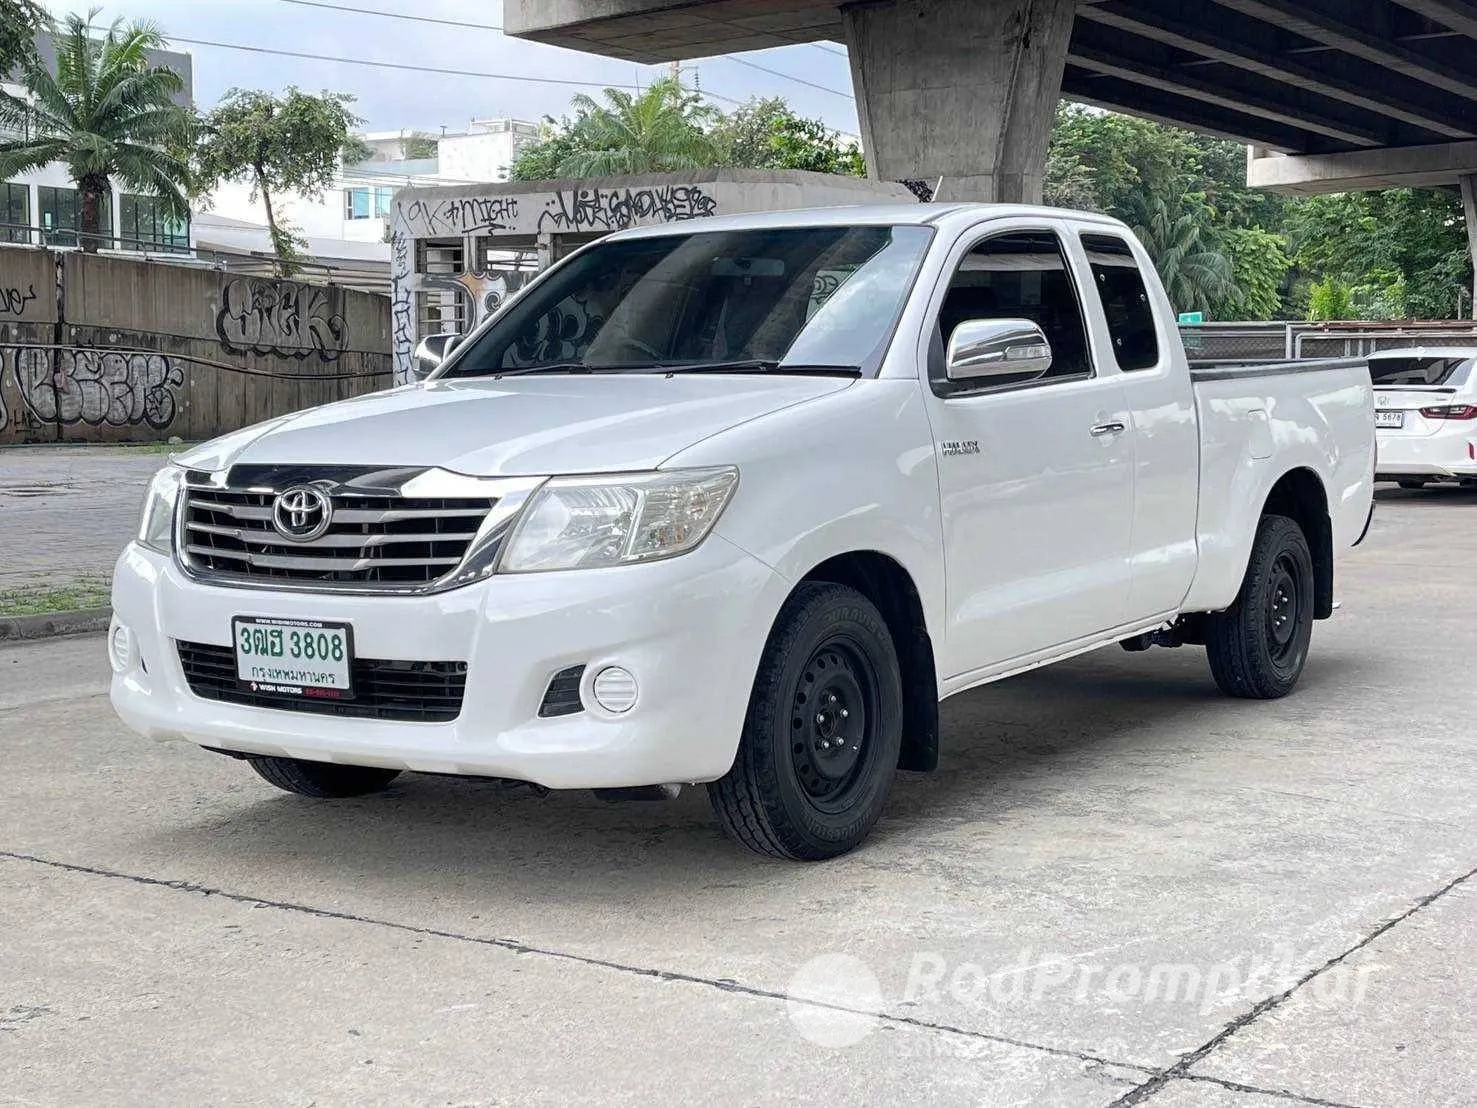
820,719
845,714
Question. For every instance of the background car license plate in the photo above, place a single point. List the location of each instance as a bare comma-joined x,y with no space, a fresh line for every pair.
292,657
1389,419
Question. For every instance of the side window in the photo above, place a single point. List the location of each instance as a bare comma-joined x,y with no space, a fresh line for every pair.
1019,275
1120,287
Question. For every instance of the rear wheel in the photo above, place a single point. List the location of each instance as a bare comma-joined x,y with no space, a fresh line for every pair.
820,743
1259,645
322,779
1411,483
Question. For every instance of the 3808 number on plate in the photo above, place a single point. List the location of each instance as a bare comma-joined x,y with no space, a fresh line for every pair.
290,657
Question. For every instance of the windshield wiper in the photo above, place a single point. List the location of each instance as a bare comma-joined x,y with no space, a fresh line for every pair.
552,367
760,365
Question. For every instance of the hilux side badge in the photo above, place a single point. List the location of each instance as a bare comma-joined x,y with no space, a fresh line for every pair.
955,447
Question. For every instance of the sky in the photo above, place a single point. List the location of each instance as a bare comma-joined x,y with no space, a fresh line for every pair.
390,99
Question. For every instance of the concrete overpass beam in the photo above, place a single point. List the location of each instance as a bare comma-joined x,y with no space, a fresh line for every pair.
964,90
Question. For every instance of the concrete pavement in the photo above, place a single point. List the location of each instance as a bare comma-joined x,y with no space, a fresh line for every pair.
68,510
1119,887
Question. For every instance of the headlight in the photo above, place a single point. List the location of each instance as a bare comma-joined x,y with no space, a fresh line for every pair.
586,522
156,529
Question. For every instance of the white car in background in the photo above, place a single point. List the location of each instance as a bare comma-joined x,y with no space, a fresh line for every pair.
1425,414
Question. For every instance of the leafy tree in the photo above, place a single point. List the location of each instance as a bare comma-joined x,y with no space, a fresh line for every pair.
662,129
1329,299
1401,252
280,144
766,134
418,146
20,22
105,112
541,160
1195,275
1259,268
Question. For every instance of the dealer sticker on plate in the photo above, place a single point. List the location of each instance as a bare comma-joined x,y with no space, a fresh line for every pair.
294,657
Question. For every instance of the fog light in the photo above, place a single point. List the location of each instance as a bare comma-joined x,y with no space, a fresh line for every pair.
120,648
614,689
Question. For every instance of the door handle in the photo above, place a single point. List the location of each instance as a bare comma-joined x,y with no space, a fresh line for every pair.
1112,428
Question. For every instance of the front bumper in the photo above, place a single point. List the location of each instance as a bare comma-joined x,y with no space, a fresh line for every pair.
690,628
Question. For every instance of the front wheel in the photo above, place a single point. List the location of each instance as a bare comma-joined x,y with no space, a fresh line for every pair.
322,779
1259,645
821,739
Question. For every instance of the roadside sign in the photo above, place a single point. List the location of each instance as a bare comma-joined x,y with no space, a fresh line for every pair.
1192,317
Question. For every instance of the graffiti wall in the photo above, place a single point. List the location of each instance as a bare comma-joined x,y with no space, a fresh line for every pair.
97,348
555,216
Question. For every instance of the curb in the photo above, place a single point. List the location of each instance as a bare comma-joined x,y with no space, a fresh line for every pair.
49,625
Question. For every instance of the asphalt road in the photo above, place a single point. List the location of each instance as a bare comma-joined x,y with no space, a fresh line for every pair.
1120,887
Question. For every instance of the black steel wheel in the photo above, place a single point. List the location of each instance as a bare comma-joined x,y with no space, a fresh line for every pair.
821,740
1258,646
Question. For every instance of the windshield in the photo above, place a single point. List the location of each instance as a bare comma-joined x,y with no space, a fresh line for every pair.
796,299
1415,371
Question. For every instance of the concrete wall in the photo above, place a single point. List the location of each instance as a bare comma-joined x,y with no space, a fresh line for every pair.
104,349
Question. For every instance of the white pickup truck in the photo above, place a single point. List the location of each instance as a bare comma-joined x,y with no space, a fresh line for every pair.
739,501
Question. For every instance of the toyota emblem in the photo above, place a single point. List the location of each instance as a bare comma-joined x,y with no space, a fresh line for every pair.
302,513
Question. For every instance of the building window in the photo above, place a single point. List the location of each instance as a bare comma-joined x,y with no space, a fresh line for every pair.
382,200
143,224
15,213
356,203
59,213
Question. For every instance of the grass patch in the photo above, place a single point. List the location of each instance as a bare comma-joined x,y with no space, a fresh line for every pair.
86,590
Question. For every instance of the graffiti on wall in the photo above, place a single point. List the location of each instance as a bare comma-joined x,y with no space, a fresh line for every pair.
96,387
614,209
462,215
260,316
402,312
485,292
13,299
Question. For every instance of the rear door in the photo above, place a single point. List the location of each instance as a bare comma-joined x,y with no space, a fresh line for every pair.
1036,479
1130,329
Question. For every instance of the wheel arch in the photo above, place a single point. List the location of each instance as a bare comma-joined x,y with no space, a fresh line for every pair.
886,583
1300,495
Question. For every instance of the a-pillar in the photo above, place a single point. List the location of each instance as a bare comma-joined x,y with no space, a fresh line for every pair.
1469,206
963,90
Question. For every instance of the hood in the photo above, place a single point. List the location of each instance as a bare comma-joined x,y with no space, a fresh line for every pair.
518,426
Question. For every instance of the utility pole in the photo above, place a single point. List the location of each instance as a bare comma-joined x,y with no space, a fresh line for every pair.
676,68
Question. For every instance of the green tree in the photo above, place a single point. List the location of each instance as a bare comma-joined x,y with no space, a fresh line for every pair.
1329,299
766,134
1259,269
418,146
20,22
1195,275
107,113
293,143
664,128
1402,252
541,159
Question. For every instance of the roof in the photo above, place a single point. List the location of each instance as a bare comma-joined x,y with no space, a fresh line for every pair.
1428,352
853,214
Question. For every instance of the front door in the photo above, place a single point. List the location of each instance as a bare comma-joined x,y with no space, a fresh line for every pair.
1036,480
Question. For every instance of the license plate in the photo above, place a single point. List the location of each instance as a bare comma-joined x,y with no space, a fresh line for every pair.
294,657
1389,419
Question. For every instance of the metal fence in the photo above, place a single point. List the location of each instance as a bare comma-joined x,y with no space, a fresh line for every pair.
1213,343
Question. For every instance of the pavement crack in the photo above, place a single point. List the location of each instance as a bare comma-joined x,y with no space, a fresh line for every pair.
515,946
1181,1068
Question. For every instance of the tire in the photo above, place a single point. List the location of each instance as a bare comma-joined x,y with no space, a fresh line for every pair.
1412,483
824,727
322,779
1259,645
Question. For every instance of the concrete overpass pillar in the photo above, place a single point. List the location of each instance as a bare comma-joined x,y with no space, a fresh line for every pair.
965,90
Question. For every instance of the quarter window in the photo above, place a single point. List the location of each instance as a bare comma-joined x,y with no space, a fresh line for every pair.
1120,287
1020,275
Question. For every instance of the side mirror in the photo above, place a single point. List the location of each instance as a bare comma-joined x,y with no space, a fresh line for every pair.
430,352
997,351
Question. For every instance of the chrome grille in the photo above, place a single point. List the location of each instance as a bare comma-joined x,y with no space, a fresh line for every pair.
379,539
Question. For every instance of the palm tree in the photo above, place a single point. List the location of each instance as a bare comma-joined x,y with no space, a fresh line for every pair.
662,129
1194,274
105,112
